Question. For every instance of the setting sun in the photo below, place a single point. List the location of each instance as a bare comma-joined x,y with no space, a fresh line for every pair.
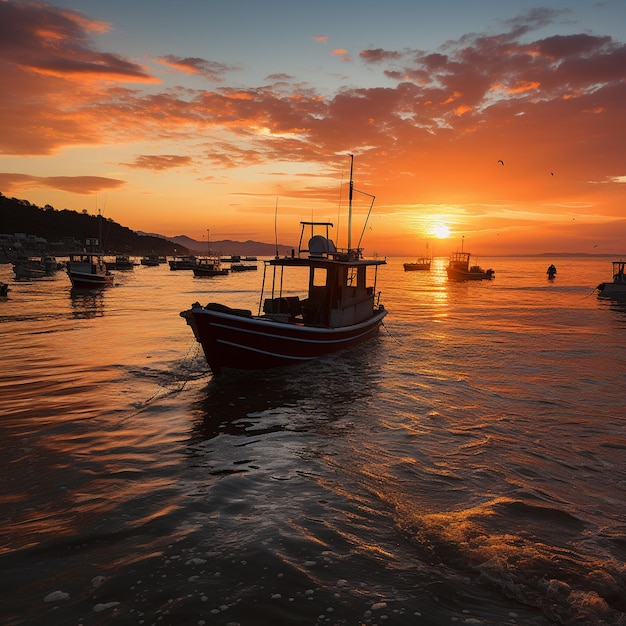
441,231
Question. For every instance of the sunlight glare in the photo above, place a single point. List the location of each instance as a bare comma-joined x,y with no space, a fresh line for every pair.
441,231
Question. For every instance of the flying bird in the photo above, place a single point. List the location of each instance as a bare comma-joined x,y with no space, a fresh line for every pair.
501,161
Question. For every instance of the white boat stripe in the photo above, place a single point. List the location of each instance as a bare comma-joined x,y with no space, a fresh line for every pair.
274,354
317,340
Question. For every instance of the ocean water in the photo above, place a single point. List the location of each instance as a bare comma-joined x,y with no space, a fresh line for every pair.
467,466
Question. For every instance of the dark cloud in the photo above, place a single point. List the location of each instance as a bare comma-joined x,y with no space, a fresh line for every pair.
211,70
533,19
378,55
47,40
567,46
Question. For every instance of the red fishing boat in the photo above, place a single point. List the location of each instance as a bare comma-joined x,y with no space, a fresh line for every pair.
337,307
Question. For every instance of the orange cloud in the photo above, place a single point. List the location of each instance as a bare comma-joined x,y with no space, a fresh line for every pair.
524,86
211,70
14,183
342,54
159,162
415,141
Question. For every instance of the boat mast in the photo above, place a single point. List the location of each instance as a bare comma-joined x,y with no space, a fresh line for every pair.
350,204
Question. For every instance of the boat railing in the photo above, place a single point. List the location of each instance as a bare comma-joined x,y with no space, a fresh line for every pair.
345,254
618,272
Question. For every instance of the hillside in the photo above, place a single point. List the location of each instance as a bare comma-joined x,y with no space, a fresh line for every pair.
67,231
227,247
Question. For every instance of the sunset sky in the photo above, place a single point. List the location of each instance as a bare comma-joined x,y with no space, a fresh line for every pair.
502,122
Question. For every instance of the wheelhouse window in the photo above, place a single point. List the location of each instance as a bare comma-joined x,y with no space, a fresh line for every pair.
318,277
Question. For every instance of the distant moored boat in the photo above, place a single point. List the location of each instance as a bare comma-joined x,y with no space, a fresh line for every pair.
88,271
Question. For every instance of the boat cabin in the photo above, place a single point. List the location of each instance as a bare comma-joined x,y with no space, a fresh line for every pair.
618,272
339,292
459,260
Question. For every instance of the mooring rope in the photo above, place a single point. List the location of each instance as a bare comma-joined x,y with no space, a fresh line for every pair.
185,367
389,333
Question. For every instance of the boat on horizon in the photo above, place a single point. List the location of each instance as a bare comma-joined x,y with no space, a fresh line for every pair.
421,264
459,268
88,271
336,307
617,288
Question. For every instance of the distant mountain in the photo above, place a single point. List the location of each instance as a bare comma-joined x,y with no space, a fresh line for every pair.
227,247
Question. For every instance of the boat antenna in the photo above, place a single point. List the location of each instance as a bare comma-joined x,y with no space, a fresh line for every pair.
352,190
368,215
350,203
276,226
339,208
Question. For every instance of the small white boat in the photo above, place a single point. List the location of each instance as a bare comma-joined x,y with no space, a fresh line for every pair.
616,289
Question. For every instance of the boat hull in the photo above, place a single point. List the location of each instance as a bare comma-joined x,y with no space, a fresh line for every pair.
200,272
417,267
460,275
615,291
82,280
240,341
240,267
